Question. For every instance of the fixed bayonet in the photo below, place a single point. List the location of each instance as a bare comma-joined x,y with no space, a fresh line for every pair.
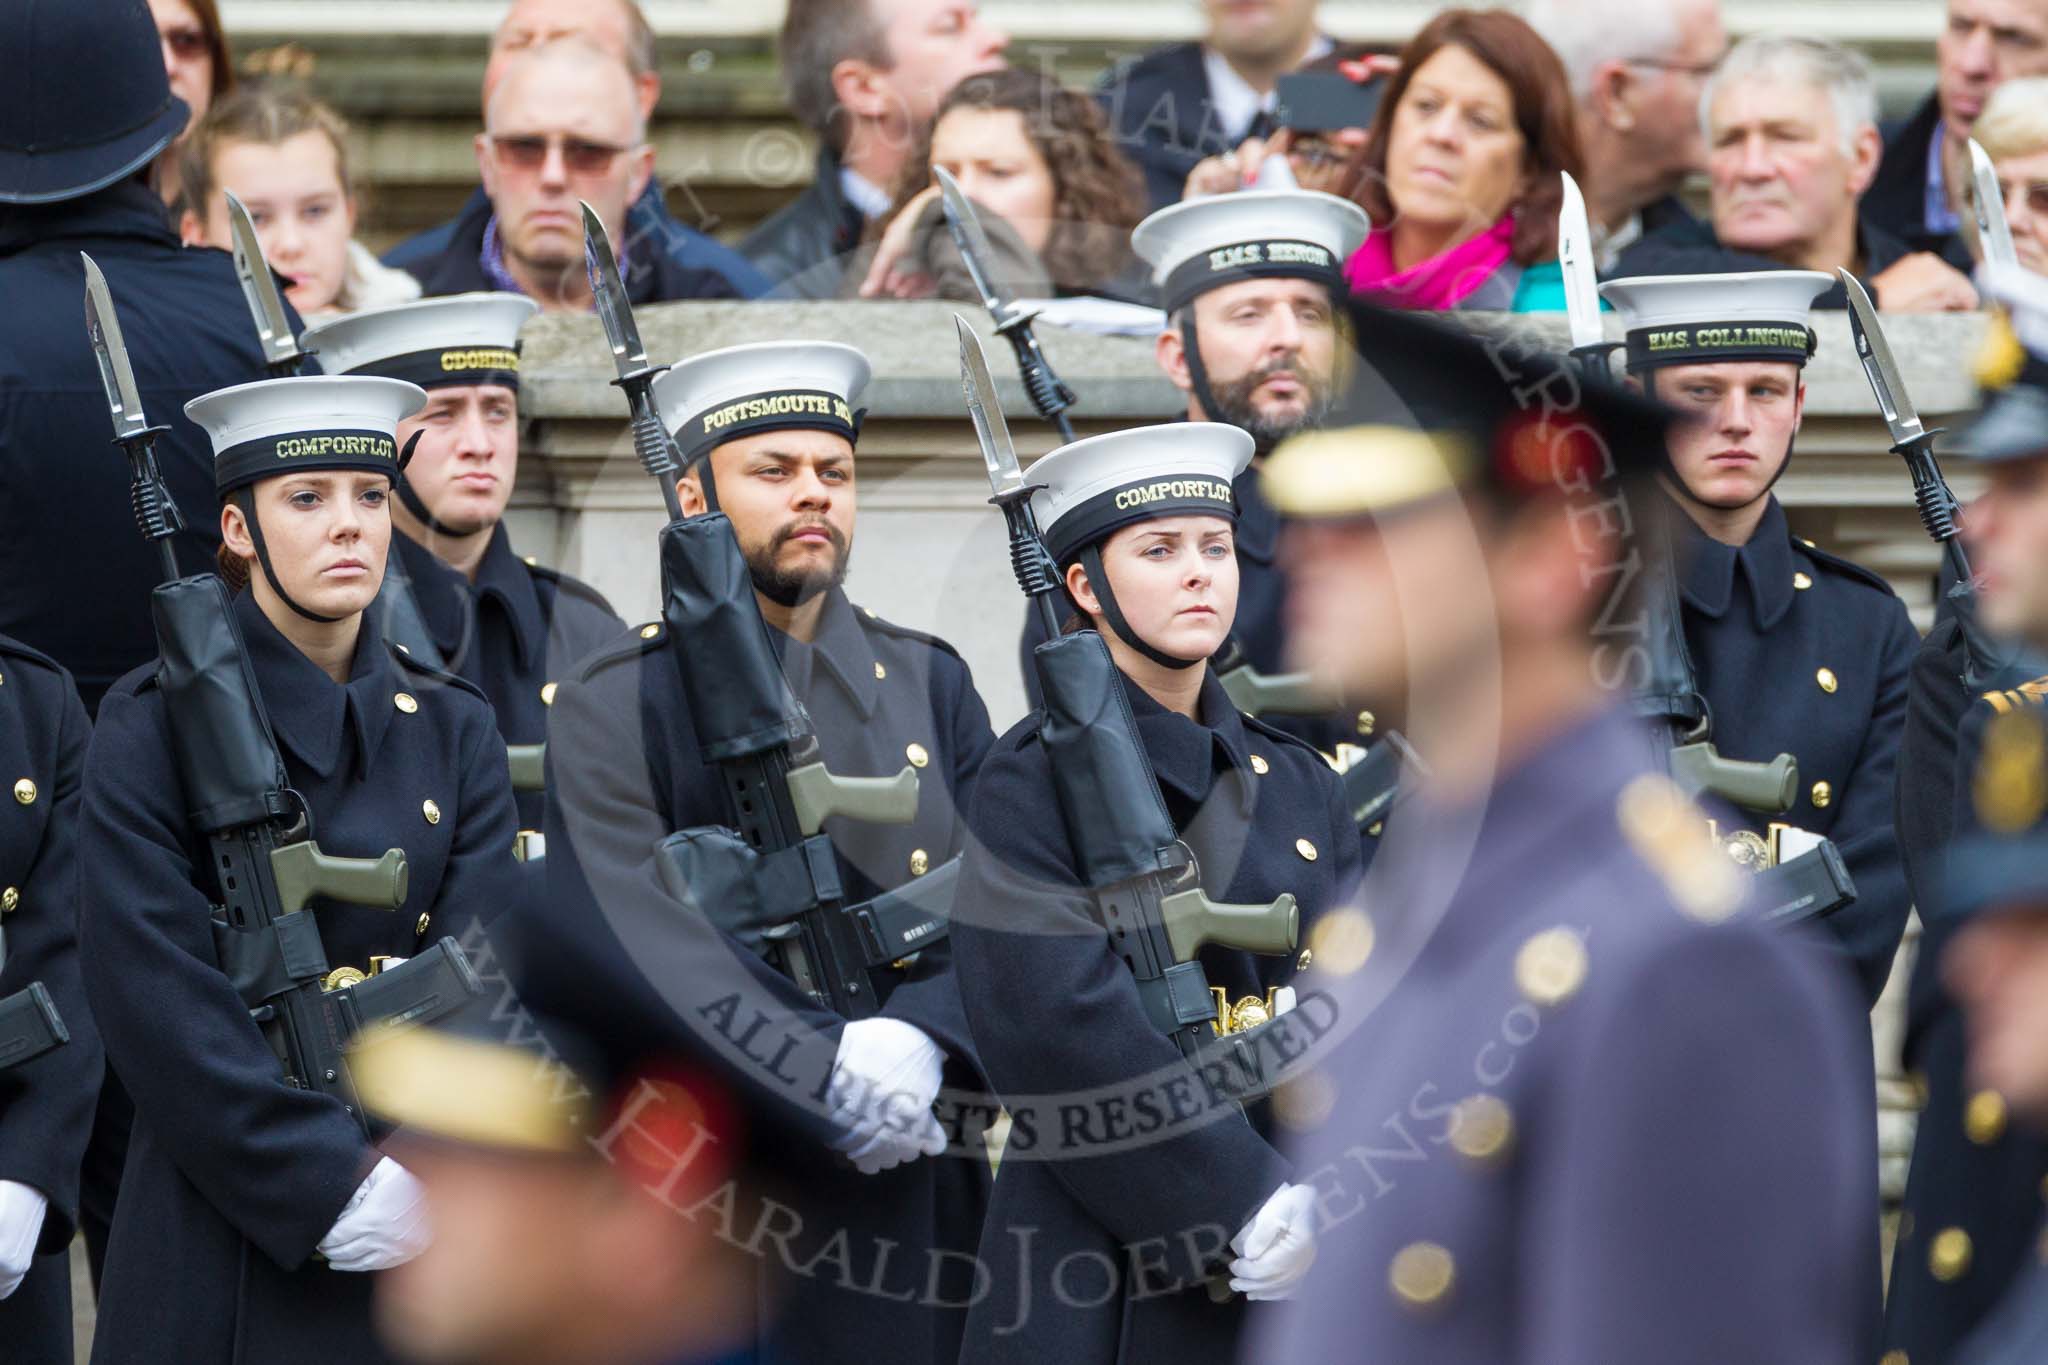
1048,393
155,512
1581,282
1988,201
1911,440
651,439
281,353
1035,571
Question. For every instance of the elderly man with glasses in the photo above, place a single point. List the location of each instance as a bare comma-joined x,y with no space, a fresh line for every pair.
564,122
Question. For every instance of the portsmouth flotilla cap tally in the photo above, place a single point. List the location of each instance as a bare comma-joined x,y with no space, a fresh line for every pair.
1704,319
1096,487
435,343
741,391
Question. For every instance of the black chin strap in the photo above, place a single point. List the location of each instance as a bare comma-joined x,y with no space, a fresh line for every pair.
1198,373
245,498
1091,560
1650,390
417,506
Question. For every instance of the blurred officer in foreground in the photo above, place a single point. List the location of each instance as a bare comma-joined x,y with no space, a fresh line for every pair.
884,1217
1578,1107
46,1102
456,595
558,1173
1974,1191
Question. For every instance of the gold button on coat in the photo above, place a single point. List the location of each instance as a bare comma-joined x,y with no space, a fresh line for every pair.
917,755
1822,794
426,918
431,810
1421,1274
25,792
1260,766
1550,967
1984,1117
920,862
1826,679
547,694
1482,1127
1366,721
1306,849
1342,940
405,702
1948,1256
8,900
1801,581
649,632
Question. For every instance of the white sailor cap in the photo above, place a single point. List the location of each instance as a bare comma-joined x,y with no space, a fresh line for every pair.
282,426
461,339
1104,483
742,391
1703,319
1204,244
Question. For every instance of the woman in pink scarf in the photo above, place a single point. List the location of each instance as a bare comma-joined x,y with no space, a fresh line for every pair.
1461,170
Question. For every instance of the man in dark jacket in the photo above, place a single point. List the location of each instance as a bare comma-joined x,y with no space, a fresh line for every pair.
1178,104
1918,195
865,76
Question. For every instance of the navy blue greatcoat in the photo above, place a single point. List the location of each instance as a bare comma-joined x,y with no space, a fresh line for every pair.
855,1259
46,1105
1114,1162
233,1177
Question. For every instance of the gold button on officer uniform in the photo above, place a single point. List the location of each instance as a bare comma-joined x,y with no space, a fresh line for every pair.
880,672
1984,1117
1260,766
25,792
1550,967
426,918
1306,849
431,811
917,755
1826,679
1822,794
405,702
8,900
920,862
649,632
1421,1274
1801,582
547,694
1342,940
1482,1127
1948,1258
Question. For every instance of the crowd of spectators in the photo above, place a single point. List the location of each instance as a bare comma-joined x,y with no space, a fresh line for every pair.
1453,145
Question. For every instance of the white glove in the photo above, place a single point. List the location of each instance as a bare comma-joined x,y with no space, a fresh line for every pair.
21,1227
1275,1249
384,1224
884,1080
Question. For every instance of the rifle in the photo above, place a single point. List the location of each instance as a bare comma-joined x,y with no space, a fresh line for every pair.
258,831
772,879
1142,877
1814,882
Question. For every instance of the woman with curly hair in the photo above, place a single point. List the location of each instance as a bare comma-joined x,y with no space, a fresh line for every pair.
1057,197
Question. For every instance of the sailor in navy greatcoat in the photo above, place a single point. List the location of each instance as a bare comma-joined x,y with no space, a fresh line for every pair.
1114,1171
235,1178
1797,651
456,594
1579,1106
768,432
46,1105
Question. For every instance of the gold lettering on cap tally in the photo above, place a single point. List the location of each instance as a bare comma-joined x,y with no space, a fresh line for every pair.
779,405
479,358
323,447
1211,489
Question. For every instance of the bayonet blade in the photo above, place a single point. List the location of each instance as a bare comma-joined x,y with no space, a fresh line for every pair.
983,405
628,354
259,287
1875,355
1989,202
116,376
974,246
1575,256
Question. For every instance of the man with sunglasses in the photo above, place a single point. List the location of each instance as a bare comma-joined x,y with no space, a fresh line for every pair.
564,122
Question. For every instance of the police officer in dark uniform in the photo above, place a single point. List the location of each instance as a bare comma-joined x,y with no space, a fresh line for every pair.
1798,651
1250,283
251,1209
455,593
1577,1108
1139,523
1974,1188
46,1104
768,432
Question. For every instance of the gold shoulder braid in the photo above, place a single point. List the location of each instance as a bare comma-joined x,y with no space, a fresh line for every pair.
2011,784
2001,356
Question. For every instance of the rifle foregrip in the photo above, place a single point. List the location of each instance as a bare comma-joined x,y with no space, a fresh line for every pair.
1193,920
1766,788
818,795
303,872
529,766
